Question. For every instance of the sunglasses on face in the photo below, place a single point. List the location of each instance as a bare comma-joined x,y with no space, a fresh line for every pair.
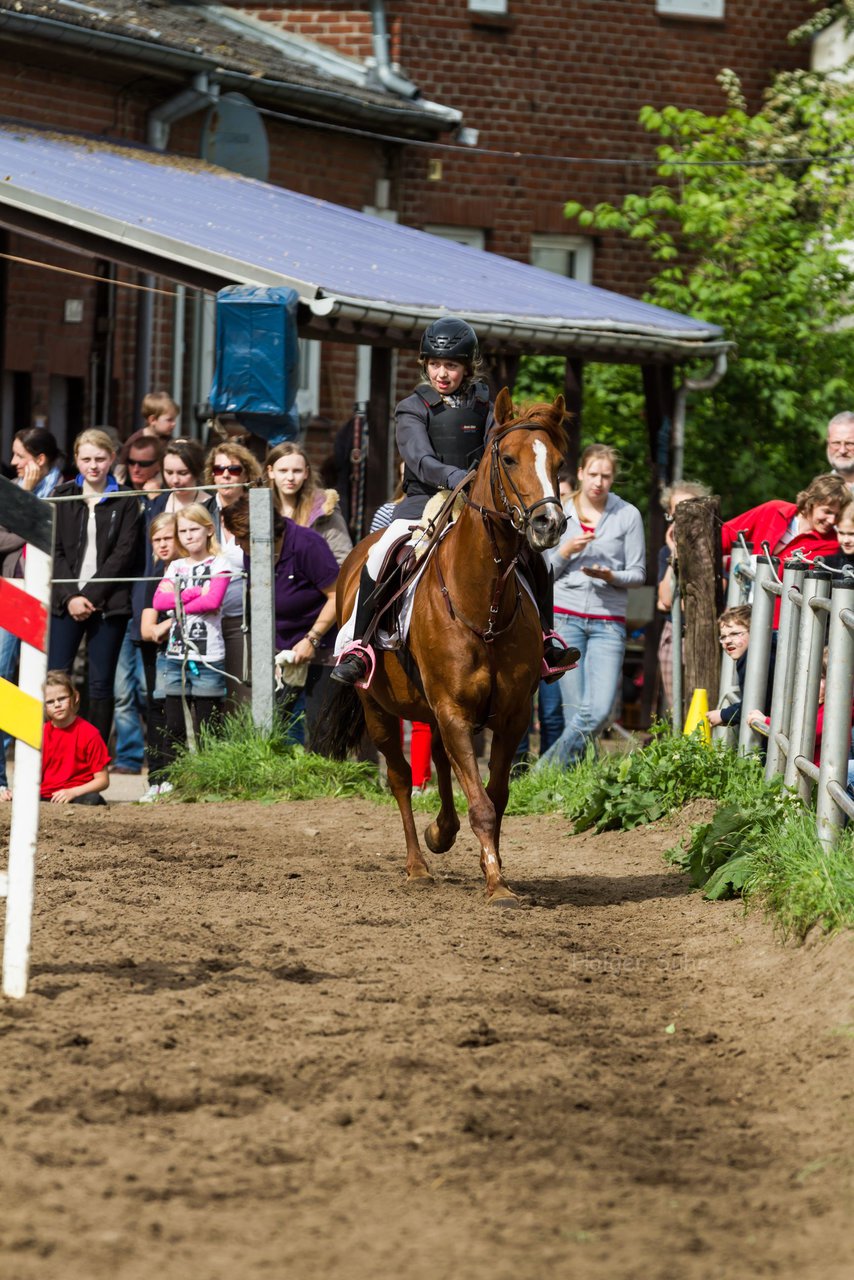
142,462
234,470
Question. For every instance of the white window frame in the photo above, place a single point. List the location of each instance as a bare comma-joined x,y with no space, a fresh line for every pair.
578,251
488,6
308,389
713,10
474,237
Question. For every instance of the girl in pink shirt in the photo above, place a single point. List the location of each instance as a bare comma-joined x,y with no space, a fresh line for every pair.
193,590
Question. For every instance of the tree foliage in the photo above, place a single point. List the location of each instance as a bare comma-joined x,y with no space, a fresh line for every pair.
752,228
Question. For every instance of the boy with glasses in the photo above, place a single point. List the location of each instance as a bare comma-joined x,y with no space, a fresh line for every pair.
734,628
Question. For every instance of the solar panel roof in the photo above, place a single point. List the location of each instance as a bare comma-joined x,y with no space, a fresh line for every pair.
357,275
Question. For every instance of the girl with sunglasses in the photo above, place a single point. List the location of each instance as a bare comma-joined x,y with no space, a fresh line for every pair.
233,469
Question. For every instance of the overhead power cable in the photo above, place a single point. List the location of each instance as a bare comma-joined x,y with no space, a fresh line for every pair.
645,162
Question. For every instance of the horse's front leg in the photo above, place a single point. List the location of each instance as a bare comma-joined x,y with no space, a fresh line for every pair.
504,746
384,731
459,743
441,834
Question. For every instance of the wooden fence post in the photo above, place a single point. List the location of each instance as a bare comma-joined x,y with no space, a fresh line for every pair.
698,542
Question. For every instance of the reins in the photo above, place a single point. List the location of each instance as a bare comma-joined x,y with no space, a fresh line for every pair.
519,517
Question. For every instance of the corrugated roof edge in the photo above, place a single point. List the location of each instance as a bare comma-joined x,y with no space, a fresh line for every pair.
610,340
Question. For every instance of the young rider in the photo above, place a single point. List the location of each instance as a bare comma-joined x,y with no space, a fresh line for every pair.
441,432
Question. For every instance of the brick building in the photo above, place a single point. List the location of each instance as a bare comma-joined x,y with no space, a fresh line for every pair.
355,119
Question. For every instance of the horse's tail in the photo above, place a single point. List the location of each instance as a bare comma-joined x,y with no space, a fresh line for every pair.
341,723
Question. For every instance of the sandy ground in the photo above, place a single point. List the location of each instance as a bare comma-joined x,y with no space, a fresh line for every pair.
250,1050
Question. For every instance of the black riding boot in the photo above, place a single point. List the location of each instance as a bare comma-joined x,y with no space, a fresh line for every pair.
355,666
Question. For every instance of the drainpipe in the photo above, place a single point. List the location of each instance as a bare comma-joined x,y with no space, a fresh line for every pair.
203,92
382,67
691,384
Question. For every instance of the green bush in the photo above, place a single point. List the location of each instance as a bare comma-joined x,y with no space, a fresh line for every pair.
645,785
240,763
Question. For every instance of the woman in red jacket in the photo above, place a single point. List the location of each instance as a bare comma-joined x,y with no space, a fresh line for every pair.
807,525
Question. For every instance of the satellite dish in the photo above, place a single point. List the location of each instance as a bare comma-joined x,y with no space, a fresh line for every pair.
233,136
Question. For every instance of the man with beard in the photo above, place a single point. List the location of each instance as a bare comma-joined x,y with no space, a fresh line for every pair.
840,446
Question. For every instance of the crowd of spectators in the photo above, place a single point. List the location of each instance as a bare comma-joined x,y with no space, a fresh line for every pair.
152,566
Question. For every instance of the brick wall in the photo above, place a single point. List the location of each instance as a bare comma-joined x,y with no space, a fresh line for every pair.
567,80
342,27
558,79
38,340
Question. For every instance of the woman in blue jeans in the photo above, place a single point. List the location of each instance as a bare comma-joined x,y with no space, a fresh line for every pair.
603,554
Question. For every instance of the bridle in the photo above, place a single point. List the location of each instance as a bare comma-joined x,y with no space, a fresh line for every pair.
519,515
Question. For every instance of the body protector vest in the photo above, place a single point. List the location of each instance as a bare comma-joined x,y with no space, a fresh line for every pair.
458,435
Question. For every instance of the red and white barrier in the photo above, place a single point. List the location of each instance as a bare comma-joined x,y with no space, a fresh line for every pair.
25,612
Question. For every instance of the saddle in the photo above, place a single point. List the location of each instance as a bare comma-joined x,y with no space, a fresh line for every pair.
407,556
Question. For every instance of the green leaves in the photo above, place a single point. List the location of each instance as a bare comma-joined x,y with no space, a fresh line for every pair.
758,247
631,790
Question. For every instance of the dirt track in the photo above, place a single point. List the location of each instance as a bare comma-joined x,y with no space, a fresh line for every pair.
251,1051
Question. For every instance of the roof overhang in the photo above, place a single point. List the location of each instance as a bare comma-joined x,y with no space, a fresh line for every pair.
355,320
359,278
329,98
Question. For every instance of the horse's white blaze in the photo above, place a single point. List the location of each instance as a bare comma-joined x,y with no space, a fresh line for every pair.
541,468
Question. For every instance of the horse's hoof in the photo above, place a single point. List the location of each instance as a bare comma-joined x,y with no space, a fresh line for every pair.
503,897
434,843
419,878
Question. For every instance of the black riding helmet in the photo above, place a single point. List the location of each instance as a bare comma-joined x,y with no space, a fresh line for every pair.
450,339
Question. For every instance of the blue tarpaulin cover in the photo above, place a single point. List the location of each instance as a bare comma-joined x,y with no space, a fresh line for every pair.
257,359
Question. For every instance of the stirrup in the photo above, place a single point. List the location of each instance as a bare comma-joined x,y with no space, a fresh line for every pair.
553,671
367,655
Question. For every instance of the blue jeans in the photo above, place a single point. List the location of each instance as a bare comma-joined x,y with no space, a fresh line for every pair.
10,647
129,690
589,690
550,706
551,714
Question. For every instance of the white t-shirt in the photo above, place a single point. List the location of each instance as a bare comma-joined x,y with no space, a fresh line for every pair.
89,566
204,630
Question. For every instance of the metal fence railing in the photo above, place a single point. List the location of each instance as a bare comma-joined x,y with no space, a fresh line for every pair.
816,611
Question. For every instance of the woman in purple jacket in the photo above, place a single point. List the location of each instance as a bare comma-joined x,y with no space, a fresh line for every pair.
305,577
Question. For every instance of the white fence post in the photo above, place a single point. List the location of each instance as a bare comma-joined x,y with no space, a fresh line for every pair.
836,737
263,607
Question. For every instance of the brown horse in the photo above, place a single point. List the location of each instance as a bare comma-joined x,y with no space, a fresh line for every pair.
475,639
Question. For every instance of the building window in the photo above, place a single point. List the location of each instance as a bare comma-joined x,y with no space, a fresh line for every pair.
570,256
308,389
690,8
474,237
488,6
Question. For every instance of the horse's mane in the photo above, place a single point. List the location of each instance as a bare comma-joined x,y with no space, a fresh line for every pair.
546,416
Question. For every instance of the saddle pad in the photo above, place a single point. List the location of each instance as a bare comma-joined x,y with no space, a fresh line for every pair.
374,563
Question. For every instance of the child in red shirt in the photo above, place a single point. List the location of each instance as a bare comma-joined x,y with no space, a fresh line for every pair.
74,755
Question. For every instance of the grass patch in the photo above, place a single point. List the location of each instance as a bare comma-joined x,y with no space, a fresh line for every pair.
555,790
764,846
800,882
240,763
